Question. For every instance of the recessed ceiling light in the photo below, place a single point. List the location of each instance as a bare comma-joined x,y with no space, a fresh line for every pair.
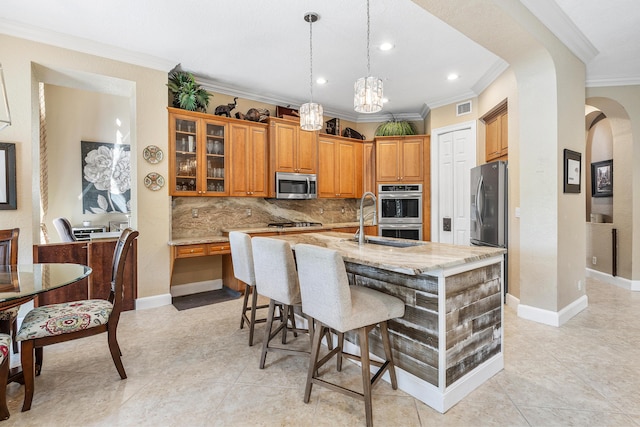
385,100
386,46
321,81
453,76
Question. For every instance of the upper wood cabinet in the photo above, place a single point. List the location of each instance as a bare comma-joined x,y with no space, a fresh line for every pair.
400,159
197,154
248,160
368,167
292,149
339,167
497,133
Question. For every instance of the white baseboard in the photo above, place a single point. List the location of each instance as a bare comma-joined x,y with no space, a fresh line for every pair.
512,301
553,318
153,302
196,287
632,285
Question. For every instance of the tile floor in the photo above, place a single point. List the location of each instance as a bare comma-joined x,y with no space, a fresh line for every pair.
194,368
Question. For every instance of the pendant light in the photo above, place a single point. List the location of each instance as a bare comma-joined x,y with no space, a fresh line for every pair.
5,116
311,112
368,90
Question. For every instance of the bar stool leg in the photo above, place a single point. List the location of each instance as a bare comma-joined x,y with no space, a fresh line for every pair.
366,373
254,304
313,360
384,331
247,288
341,349
267,332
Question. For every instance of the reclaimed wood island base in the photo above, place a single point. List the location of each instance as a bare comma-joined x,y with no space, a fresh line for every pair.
450,339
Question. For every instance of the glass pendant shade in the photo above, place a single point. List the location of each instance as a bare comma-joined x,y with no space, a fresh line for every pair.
311,116
5,116
368,95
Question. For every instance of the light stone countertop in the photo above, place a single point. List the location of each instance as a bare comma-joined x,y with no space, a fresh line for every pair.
413,260
256,230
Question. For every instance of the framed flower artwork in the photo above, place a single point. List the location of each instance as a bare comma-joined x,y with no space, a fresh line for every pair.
106,177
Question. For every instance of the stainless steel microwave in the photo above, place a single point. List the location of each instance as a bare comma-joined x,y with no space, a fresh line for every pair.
296,186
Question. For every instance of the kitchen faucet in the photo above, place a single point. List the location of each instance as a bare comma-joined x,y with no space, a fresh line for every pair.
375,215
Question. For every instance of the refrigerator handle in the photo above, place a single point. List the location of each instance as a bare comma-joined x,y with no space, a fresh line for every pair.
478,201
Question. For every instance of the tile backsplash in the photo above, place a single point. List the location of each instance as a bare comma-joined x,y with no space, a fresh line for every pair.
217,213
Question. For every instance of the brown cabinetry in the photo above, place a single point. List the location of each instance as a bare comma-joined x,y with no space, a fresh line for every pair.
197,154
248,165
99,256
497,133
292,149
400,159
368,167
339,167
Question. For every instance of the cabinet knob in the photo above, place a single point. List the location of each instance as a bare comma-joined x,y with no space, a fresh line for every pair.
191,250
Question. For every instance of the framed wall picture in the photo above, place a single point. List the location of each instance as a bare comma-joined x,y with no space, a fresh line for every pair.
602,179
572,162
106,177
8,193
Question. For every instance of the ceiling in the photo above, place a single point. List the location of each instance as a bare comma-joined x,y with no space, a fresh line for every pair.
260,49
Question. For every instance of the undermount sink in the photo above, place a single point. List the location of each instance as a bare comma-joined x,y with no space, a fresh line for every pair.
392,243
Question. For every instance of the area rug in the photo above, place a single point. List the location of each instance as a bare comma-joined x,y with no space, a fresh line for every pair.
204,298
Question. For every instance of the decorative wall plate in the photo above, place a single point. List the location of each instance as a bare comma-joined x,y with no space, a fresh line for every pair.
154,181
152,154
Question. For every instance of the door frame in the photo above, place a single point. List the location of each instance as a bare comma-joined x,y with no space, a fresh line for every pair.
435,168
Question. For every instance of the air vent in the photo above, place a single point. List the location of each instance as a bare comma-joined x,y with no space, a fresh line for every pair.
463,108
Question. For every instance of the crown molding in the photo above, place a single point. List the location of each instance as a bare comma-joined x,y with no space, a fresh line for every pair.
492,73
452,99
30,32
554,18
601,81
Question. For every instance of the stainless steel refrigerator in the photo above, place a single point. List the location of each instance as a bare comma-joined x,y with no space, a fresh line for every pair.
489,207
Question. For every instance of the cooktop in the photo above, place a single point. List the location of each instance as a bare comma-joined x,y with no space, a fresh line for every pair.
294,224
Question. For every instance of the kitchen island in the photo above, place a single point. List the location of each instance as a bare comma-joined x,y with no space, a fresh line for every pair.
450,339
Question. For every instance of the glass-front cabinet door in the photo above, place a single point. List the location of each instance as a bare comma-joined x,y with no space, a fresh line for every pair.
215,154
185,154
197,155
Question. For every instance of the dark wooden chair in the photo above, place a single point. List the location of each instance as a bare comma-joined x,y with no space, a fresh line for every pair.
42,325
9,256
5,341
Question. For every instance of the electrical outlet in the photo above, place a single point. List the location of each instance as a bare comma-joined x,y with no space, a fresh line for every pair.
342,210
321,211
594,260
194,213
579,285
248,212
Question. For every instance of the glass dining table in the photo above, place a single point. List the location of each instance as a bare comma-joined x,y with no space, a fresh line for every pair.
22,282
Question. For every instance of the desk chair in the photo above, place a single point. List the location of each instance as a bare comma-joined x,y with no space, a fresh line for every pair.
63,226
242,259
9,256
51,324
328,298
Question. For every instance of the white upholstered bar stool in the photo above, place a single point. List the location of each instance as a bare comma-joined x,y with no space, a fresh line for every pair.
242,258
328,298
277,279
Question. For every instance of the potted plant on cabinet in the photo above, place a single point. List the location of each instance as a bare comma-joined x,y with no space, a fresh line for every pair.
395,127
187,94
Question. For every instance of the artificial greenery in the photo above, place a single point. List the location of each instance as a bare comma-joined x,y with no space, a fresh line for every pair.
187,94
395,127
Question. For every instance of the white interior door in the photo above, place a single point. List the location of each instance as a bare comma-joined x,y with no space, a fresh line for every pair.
454,156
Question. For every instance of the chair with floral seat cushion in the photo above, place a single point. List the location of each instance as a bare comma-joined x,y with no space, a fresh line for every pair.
5,341
9,256
63,226
51,324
